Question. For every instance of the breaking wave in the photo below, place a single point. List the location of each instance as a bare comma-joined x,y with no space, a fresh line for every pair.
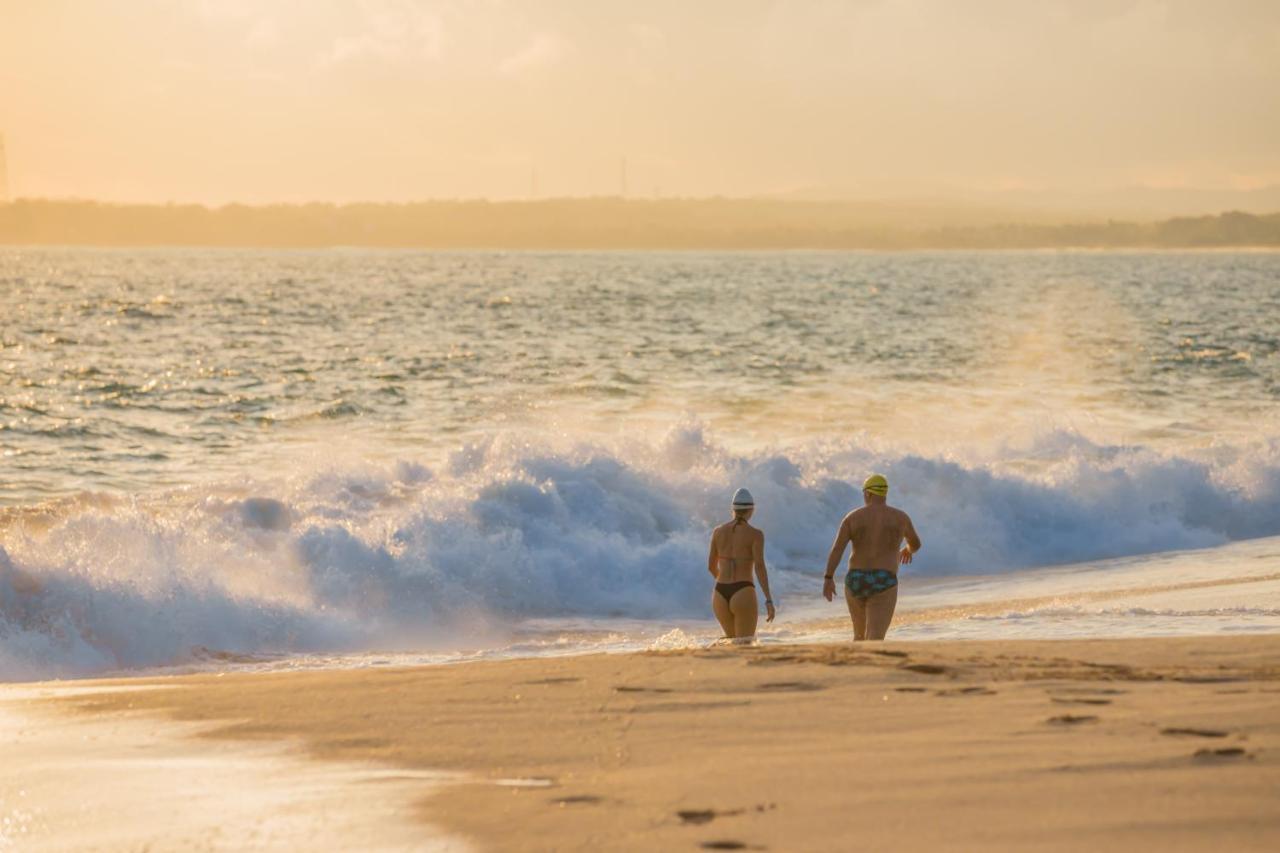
403,556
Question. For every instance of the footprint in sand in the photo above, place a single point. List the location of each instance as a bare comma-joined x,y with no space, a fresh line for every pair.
925,668
578,799
966,691
799,686
912,689
1071,719
1224,752
725,845
560,680
1194,732
1081,700
628,689
697,817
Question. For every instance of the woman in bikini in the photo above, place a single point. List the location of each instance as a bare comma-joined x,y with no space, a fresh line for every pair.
737,548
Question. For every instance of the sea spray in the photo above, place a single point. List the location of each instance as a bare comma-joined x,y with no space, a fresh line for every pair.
520,525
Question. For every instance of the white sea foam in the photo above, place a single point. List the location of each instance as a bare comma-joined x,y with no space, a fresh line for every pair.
522,526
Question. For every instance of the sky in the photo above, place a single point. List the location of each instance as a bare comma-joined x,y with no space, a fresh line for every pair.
262,101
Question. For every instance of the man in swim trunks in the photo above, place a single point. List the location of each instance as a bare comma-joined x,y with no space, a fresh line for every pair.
876,531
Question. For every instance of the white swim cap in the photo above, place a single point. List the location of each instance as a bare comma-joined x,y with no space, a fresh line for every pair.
742,499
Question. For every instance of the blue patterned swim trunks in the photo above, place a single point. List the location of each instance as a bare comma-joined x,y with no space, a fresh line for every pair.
864,583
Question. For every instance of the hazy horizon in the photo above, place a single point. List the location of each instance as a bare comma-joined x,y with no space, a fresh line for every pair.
284,101
936,207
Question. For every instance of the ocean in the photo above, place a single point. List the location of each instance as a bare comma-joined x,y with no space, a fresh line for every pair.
272,459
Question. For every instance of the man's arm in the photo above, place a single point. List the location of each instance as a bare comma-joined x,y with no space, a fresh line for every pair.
913,542
833,559
757,553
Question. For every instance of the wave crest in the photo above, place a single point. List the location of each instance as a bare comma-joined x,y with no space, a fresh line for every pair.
403,556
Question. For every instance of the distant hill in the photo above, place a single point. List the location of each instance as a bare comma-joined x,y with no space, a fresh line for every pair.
601,223
946,205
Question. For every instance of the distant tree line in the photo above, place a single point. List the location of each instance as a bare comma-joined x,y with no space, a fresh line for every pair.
601,223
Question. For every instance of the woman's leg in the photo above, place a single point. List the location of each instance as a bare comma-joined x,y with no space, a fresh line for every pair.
880,609
724,615
745,612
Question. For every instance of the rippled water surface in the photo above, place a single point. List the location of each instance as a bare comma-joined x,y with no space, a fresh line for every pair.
124,370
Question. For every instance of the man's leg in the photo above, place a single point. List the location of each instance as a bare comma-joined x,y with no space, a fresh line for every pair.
879,612
858,613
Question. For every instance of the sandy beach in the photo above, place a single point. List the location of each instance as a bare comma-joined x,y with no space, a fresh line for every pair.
1055,745
403,402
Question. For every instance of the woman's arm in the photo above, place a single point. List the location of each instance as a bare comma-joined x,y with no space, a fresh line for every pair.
711,558
757,553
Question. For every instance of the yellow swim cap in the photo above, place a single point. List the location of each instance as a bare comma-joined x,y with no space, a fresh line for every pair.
876,484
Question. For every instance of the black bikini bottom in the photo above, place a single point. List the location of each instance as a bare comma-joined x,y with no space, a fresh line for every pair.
728,589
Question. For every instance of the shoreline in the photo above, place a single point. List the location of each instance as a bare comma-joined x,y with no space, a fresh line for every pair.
997,744
1180,593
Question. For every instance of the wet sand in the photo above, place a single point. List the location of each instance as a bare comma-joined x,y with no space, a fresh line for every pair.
1051,745
116,782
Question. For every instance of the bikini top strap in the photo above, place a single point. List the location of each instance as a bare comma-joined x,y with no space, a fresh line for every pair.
733,561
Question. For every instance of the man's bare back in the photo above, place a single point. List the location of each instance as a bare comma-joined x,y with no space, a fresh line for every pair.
876,532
